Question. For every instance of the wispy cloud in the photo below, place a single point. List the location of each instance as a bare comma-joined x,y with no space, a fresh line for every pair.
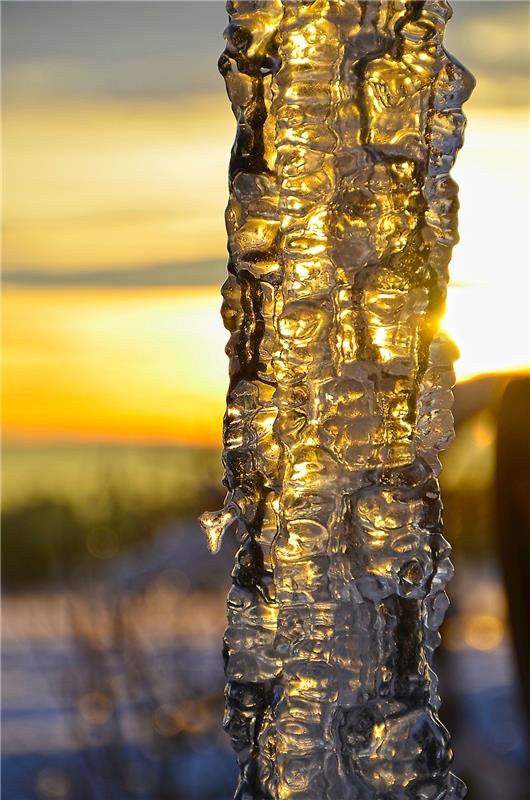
114,183
201,273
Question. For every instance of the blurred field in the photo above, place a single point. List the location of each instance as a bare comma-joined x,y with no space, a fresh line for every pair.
66,505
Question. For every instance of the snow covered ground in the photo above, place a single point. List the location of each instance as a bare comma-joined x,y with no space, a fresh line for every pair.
112,688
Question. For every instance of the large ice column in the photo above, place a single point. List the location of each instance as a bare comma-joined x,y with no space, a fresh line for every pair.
341,221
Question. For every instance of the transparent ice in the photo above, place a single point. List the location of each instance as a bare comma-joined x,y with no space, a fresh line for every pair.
341,221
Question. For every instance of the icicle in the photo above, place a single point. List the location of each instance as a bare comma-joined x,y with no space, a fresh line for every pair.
341,221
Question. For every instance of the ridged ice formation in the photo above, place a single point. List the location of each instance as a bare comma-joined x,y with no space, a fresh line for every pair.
341,222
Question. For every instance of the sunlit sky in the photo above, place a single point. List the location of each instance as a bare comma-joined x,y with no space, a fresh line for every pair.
116,139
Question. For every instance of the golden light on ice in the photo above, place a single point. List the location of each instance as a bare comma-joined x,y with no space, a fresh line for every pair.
341,221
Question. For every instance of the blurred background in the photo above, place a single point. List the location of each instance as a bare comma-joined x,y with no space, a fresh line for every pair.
116,136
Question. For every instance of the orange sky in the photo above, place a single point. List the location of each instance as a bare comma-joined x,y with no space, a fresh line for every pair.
114,364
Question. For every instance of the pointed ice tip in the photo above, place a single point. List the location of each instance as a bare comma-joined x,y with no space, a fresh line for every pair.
214,524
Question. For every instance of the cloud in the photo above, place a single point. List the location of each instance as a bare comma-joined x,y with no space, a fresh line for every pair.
200,273
115,183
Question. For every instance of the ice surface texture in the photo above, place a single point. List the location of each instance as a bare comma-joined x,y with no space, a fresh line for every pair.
341,221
